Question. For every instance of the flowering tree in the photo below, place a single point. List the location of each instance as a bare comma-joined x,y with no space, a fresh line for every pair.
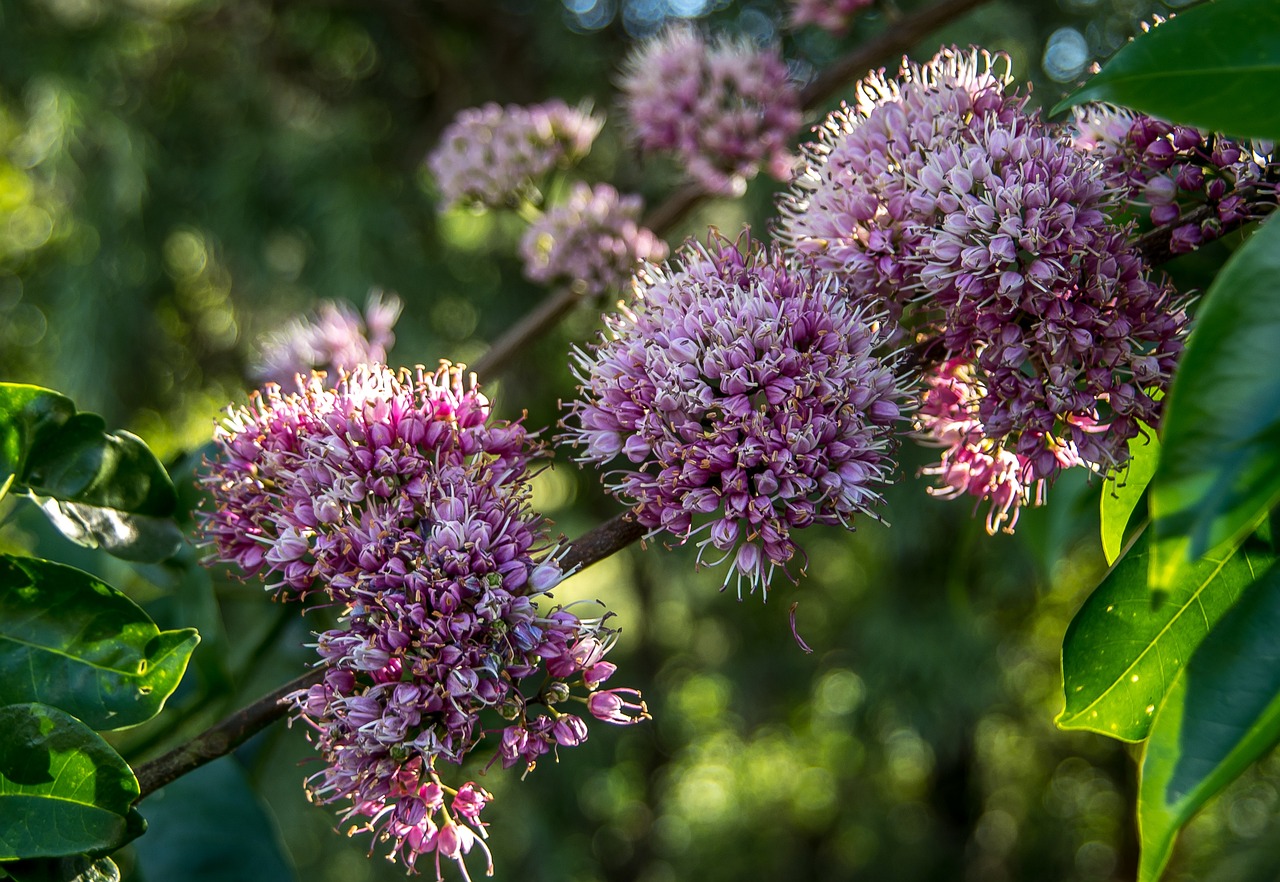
946,266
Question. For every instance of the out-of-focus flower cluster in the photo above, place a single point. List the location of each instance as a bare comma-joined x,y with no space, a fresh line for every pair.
833,16
1175,169
747,398
397,497
592,241
495,156
943,193
724,108
335,339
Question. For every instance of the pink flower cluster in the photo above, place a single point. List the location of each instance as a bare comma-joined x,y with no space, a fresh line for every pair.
746,398
335,339
495,156
972,464
396,496
851,211
592,241
1174,169
833,16
724,109
942,193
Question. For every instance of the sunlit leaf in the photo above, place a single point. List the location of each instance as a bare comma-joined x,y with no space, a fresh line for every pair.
1219,471
1221,714
1122,495
1126,645
1216,66
70,640
63,790
105,489
27,414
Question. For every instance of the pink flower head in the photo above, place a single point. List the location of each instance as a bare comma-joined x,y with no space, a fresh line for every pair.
853,210
1070,339
746,398
495,156
833,16
724,109
612,706
398,496
334,339
592,242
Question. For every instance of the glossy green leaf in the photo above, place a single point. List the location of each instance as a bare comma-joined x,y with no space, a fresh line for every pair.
194,818
63,790
1221,714
80,868
27,414
1216,66
1121,495
1125,645
70,640
104,489
1219,471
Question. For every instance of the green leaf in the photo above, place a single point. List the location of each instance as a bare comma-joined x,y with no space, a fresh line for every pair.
1125,645
80,868
1222,713
63,790
1122,495
1219,471
194,818
70,640
1216,66
106,489
27,414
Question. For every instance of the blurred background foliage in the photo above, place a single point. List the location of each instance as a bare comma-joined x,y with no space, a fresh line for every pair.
178,177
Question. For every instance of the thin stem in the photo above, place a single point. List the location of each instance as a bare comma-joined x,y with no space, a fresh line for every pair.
4,488
899,37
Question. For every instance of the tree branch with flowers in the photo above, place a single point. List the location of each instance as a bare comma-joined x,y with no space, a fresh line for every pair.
947,266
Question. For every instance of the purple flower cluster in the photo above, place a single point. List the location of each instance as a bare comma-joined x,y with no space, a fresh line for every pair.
398,497
851,211
747,398
494,156
724,109
833,16
336,338
592,241
941,194
1173,170
1043,294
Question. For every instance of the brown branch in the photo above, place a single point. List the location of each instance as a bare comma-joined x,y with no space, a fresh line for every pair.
595,545
897,39
220,739
543,318
598,543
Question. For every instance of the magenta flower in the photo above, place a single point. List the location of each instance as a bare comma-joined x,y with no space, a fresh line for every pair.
591,242
334,339
724,109
746,398
833,16
399,498
495,156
